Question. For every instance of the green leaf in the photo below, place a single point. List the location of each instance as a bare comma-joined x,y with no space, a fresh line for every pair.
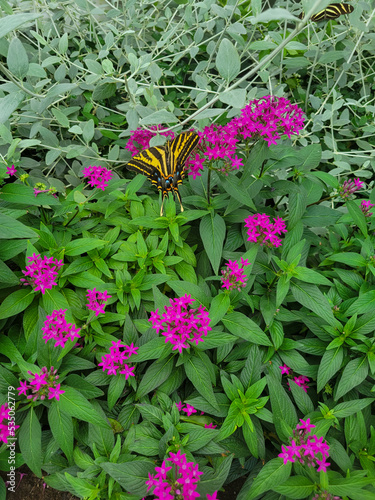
329,365
83,245
20,194
358,216
17,60
61,426
160,116
81,486
62,119
74,404
7,277
303,401
283,409
10,23
16,302
104,91
8,105
30,442
199,376
310,276
296,487
320,216
115,389
155,375
240,325
311,297
273,473
219,307
212,231
350,258
228,62
350,407
132,476
354,373
197,293
12,228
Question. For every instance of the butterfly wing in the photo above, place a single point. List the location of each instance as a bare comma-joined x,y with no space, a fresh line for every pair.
151,162
333,11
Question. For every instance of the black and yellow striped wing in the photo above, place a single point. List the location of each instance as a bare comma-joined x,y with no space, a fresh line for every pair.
164,165
332,11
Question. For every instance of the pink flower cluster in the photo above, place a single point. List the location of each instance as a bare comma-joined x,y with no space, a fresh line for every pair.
115,359
41,385
366,205
233,276
219,146
56,327
262,230
98,176
268,118
189,410
11,170
97,300
184,481
140,138
42,272
305,448
324,495
350,187
300,380
8,429
180,324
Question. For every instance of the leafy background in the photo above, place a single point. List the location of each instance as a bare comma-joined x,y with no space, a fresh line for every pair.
77,78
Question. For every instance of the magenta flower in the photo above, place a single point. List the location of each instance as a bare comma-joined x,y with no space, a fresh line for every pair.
180,325
140,138
233,276
115,360
56,327
262,230
324,495
218,145
182,484
366,205
98,176
284,369
97,300
11,170
305,424
6,429
41,272
267,118
41,385
350,187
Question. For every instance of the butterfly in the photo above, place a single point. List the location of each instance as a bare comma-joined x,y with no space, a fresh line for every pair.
332,11
164,165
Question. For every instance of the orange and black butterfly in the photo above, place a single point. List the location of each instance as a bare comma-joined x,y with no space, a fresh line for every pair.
164,165
332,11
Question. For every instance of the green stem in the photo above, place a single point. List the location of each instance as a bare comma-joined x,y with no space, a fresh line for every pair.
208,186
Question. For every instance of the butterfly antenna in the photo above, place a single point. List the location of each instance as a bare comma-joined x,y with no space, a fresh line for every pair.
161,209
179,199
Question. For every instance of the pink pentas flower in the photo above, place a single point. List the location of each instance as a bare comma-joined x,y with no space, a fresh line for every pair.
140,138
182,484
114,362
366,205
98,176
217,150
41,273
350,187
233,276
267,118
11,170
97,300
180,325
262,230
57,328
41,385
284,369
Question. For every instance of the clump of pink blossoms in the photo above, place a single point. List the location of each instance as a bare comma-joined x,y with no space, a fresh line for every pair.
366,205
324,495
233,276
41,385
98,176
97,300
140,138
180,484
179,324
350,187
8,429
41,272
56,327
115,359
309,450
262,230
218,147
268,118
300,380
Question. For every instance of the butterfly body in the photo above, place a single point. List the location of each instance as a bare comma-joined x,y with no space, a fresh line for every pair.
332,11
164,165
